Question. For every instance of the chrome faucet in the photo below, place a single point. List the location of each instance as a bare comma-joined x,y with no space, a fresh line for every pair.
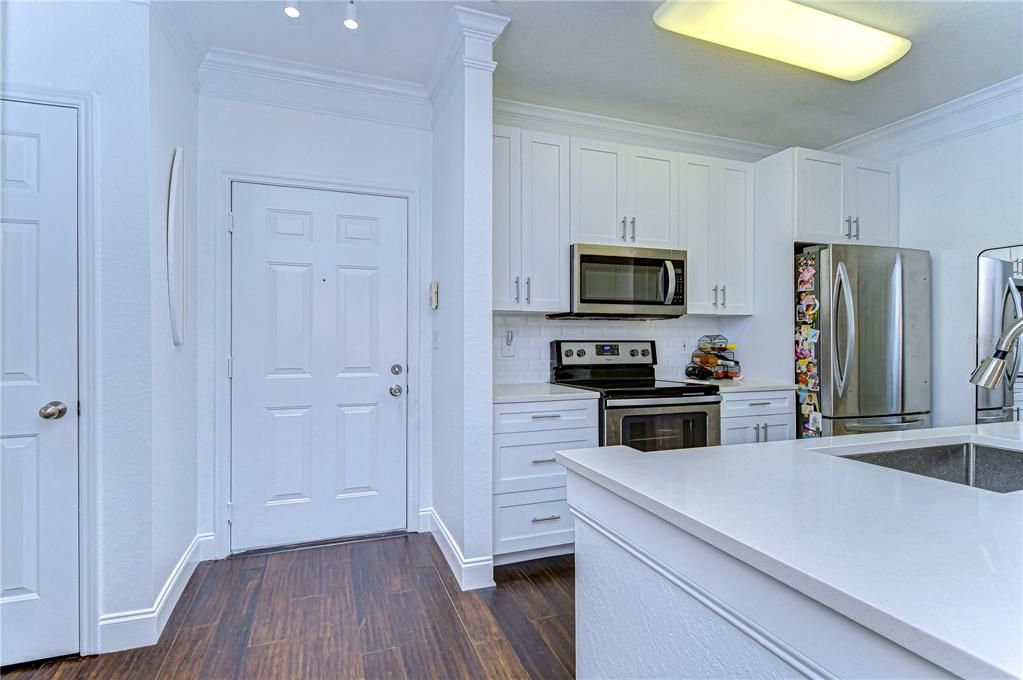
992,368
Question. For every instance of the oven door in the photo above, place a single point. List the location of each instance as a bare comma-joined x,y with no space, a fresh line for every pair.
662,427
616,280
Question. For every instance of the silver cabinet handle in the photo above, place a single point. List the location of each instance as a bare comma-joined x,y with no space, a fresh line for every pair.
848,227
760,403
550,518
529,290
715,296
756,433
538,461
624,232
633,228
395,390
856,223
516,289
724,296
545,416
765,431
54,410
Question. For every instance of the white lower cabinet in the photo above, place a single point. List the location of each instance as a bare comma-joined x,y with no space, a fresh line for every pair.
752,417
531,516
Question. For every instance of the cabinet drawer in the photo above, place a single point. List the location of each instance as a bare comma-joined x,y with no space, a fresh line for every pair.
757,403
545,415
524,461
531,519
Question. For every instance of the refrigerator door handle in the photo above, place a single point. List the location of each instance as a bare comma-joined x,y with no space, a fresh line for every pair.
841,369
885,427
1011,293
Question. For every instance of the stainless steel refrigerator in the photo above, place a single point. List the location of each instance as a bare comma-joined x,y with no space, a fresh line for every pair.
999,303
862,340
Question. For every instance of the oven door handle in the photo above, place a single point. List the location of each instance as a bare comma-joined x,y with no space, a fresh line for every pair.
668,276
662,401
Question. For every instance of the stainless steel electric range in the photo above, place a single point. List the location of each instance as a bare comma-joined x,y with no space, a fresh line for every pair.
637,409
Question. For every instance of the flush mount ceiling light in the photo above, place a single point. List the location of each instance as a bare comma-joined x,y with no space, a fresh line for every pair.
786,31
291,9
351,16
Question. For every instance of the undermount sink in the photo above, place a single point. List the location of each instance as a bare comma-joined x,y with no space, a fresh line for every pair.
977,465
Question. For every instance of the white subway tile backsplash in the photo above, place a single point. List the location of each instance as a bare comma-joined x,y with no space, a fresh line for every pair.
533,334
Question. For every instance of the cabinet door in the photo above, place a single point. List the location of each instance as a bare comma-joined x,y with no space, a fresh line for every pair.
735,229
738,431
821,213
778,428
696,210
545,222
598,196
652,205
873,202
507,248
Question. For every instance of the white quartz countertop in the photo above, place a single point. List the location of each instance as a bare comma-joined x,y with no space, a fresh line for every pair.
726,386
510,394
934,566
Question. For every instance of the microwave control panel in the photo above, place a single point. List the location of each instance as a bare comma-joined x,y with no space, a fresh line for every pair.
680,283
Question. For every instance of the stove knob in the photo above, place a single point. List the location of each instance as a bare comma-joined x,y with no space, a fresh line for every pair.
569,352
633,352
646,352
581,353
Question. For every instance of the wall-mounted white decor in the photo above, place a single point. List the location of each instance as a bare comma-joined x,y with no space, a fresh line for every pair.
176,248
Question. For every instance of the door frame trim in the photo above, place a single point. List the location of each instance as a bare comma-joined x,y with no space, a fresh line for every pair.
89,567
419,383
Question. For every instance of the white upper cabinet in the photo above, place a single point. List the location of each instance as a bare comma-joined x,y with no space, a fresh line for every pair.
717,234
531,221
624,195
843,199
598,193
545,222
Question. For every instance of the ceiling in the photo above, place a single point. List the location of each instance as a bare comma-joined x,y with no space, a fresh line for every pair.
609,58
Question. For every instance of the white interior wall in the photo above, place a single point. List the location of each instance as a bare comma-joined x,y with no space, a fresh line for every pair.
253,138
174,117
960,192
102,49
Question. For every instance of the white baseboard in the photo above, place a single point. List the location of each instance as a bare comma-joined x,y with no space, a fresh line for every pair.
142,627
534,554
477,572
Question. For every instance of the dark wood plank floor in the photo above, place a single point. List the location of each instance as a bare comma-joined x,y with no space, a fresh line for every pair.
386,608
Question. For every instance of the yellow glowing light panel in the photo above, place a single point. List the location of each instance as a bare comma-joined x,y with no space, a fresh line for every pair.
788,32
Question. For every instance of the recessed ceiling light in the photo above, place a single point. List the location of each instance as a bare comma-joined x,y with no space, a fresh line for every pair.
351,16
291,9
787,31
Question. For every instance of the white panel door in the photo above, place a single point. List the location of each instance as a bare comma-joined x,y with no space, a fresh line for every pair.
871,195
652,208
822,215
38,365
735,234
545,222
507,219
697,212
598,193
318,322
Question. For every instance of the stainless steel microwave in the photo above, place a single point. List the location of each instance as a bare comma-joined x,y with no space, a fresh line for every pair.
618,281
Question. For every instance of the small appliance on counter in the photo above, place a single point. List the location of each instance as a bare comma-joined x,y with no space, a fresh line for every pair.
714,359
637,409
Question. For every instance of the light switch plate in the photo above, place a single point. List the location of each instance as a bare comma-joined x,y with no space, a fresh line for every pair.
508,344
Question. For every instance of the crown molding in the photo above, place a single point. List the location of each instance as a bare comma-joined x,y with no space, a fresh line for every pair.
563,121
250,77
469,43
985,109
479,24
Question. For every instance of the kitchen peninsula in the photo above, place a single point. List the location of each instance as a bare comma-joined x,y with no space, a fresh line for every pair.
789,559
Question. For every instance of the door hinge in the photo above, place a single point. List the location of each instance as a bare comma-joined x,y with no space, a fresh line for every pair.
230,222
230,368
78,407
230,512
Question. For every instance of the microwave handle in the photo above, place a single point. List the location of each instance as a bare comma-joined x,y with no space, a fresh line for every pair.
669,271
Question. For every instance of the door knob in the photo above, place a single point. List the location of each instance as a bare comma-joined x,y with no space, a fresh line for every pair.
396,369
53,410
395,390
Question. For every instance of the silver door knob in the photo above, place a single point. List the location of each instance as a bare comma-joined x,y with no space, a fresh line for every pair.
395,390
53,410
396,369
